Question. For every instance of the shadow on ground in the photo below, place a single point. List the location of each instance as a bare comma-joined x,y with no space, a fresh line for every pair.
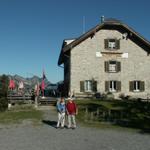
50,123
145,131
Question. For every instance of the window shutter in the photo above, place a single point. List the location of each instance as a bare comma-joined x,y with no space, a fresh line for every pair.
106,43
117,44
106,66
106,86
131,86
118,86
142,86
118,66
81,86
94,86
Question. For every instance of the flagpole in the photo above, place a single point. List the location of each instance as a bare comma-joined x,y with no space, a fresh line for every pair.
43,92
36,94
43,84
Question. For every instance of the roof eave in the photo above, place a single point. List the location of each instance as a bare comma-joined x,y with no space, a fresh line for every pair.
82,37
60,60
98,27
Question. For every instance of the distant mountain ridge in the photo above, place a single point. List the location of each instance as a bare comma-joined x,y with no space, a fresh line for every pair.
29,82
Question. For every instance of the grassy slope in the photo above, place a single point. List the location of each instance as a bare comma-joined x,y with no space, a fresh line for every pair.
138,113
20,113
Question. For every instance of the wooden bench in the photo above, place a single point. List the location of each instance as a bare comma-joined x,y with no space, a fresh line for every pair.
13,99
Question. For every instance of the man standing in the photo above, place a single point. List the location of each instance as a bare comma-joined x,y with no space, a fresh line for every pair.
61,108
72,110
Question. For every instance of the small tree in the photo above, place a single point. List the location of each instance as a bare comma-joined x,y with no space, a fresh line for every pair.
3,92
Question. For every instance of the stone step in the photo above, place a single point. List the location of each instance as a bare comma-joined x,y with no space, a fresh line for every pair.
47,101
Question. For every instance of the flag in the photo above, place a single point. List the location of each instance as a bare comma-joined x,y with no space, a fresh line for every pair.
21,85
44,76
42,85
11,84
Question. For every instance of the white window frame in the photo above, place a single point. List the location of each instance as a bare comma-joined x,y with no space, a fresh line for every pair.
112,67
136,86
112,86
88,86
111,44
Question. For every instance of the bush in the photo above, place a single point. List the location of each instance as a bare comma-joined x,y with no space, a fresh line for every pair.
3,92
3,86
124,97
127,97
3,104
97,95
109,96
103,96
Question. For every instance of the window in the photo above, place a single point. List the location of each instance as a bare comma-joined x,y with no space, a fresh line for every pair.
112,44
136,86
112,86
88,86
112,66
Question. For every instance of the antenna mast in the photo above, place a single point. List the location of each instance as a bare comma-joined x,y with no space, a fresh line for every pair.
83,24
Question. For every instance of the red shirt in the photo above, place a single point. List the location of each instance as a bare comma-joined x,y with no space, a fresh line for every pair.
71,108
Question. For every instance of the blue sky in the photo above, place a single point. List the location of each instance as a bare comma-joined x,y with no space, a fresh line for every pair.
32,31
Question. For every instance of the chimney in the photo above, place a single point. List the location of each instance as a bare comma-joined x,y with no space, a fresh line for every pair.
102,19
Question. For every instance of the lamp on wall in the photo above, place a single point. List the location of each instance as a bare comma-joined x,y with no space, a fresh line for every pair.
125,36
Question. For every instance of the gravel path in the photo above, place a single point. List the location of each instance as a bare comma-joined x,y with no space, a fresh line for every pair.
46,137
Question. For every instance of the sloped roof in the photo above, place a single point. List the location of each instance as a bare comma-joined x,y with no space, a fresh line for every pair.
108,23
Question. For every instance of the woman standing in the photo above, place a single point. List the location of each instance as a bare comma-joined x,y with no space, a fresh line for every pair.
61,108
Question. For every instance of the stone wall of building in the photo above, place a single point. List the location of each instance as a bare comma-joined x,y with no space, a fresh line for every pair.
85,65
